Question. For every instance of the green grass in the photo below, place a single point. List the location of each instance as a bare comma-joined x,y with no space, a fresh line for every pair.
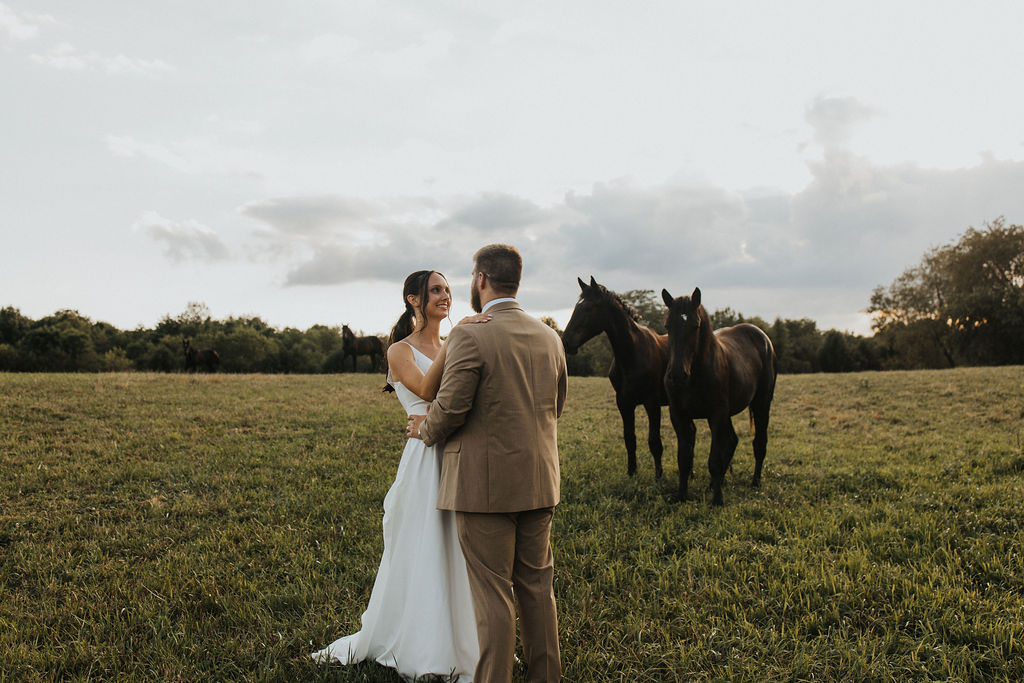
176,527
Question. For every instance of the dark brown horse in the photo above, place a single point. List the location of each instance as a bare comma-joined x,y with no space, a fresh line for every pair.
714,375
638,370
354,346
200,359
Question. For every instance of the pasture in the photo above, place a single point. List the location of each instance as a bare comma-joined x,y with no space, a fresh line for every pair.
221,527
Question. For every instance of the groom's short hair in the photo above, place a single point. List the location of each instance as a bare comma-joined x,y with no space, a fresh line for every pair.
502,265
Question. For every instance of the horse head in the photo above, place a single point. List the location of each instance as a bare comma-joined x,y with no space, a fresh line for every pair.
587,320
687,323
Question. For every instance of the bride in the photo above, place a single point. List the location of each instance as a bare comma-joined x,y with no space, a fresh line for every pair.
420,618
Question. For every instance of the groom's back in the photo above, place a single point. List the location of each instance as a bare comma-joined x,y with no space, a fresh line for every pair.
504,457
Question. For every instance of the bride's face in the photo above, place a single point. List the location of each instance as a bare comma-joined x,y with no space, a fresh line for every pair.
439,297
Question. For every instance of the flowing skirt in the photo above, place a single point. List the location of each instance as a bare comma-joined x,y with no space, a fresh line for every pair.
420,618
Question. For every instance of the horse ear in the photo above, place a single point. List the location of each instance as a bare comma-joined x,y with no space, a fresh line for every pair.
695,297
593,282
667,297
583,285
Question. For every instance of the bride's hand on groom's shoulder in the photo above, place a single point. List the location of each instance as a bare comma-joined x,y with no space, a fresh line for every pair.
476,318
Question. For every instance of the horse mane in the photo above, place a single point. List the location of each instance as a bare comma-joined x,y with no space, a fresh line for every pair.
707,329
616,300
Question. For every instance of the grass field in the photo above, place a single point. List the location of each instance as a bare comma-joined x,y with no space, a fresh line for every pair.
175,527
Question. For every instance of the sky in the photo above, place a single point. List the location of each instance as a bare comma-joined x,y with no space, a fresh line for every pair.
295,161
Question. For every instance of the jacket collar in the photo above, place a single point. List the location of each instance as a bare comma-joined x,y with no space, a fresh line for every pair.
503,305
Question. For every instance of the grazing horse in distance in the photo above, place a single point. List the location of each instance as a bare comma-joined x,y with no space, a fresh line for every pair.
638,370
200,359
354,346
715,375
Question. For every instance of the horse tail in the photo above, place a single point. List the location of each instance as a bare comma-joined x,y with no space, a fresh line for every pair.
387,388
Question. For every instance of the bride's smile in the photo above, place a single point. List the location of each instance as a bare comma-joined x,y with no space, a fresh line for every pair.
439,295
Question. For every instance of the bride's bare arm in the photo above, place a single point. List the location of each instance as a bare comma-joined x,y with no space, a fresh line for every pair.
402,365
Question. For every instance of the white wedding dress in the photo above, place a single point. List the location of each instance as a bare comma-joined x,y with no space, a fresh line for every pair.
420,618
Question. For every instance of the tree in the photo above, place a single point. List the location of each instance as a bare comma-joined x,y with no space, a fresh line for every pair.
796,344
835,355
13,325
61,342
593,358
963,303
650,307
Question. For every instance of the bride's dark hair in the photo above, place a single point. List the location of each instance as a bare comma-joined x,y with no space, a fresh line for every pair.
416,284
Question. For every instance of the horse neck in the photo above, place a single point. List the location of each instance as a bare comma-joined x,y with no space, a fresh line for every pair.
707,343
624,334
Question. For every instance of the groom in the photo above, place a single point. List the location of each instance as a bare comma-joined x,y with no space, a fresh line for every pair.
501,394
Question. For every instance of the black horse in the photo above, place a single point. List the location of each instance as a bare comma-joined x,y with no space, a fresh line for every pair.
354,346
714,375
200,359
638,370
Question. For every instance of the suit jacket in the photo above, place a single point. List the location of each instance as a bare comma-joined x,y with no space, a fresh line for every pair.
500,397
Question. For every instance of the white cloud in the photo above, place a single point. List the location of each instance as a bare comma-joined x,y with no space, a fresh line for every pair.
64,56
21,25
834,118
182,240
196,155
856,225
129,147
407,57
329,49
492,211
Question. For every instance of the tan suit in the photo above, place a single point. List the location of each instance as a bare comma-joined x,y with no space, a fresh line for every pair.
501,394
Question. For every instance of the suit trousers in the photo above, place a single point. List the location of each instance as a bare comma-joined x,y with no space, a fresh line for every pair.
509,559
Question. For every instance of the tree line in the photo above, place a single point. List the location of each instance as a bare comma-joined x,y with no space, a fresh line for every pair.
963,304
70,342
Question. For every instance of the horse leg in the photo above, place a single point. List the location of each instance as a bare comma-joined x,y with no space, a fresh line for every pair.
759,416
686,435
723,446
654,435
628,433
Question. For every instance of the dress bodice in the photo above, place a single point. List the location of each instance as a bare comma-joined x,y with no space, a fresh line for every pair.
413,404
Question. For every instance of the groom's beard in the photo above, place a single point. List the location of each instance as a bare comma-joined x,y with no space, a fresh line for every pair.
474,297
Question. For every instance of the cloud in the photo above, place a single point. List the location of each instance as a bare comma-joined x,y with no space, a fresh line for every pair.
627,228
329,49
183,240
65,56
345,239
21,25
317,215
412,57
492,212
128,147
834,118
860,224
855,225
196,155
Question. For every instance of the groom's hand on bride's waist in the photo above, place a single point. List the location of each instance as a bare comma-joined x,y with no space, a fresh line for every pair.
412,427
